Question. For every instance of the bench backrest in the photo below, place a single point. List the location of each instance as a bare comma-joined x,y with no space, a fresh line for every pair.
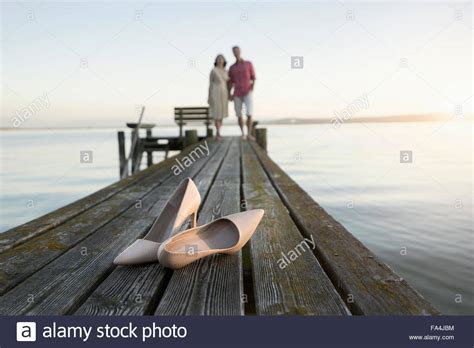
191,114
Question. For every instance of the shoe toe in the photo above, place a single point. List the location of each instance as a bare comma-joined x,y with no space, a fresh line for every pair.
141,251
246,222
247,219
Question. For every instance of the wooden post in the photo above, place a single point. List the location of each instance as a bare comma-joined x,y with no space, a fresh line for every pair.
254,126
209,132
261,135
181,123
149,153
138,159
190,137
133,144
122,159
135,134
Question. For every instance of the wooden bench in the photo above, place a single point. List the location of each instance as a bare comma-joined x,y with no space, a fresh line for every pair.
61,263
149,144
185,115
182,116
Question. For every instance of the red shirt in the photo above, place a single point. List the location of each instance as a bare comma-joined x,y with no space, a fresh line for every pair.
241,74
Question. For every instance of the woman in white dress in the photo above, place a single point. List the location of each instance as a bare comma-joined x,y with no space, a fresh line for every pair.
218,98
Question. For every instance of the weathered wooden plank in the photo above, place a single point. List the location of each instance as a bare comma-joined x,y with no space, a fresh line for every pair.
368,285
136,290
16,263
213,285
54,287
17,235
282,287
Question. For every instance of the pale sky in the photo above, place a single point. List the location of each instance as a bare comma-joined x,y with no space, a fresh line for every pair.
97,61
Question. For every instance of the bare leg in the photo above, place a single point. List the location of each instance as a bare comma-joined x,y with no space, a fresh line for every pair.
241,125
218,129
249,127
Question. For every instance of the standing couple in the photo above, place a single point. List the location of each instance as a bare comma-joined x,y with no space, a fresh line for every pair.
240,78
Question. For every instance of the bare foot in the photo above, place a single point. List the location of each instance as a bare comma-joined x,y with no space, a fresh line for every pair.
243,137
250,137
218,138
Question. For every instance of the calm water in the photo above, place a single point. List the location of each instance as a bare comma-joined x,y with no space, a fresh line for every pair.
417,216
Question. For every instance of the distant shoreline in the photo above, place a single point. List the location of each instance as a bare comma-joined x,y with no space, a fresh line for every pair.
375,119
290,121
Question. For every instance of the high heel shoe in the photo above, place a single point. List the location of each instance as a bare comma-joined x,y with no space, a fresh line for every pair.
226,235
184,202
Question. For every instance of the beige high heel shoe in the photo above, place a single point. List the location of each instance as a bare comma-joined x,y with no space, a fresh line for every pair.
184,202
226,235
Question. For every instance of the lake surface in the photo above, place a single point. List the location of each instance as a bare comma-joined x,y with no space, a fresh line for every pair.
416,216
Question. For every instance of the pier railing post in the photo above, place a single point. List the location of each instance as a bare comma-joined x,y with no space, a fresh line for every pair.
122,157
134,134
254,127
149,153
261,137
137,151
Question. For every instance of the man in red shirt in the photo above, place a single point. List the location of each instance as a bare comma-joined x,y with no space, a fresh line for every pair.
242,79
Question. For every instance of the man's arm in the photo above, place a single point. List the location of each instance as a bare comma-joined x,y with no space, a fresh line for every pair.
252,77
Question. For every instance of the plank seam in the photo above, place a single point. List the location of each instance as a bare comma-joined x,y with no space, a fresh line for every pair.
160,290
154,308
214,283
247,272
351,307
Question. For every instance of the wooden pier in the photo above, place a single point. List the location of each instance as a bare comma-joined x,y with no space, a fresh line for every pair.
61,263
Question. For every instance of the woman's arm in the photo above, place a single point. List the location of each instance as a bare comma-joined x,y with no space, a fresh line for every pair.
230,83
211,77
229,89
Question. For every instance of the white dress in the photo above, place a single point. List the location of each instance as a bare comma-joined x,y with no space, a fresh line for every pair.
218,95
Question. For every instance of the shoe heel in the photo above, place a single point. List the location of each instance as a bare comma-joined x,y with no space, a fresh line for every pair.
194,219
